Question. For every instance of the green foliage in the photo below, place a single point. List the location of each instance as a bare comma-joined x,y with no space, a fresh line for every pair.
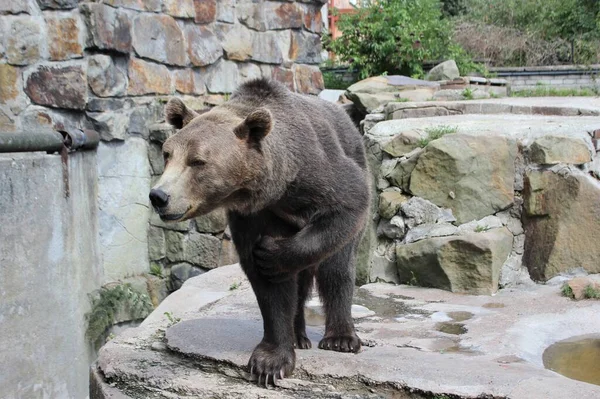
481,229
397,37
434,133
548,22
591,293
467,93
453,8
567,291
107,303
402,100
172,319
156,270
550,18
548,91
334,81
234,286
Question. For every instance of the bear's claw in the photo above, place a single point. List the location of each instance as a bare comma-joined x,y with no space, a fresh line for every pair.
341,343
269,363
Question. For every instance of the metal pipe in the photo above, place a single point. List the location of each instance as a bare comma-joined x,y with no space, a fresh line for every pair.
49,141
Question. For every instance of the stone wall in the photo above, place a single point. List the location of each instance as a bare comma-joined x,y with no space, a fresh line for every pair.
558,76
471,196
111,66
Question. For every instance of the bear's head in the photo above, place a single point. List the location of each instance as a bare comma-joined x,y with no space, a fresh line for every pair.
214,160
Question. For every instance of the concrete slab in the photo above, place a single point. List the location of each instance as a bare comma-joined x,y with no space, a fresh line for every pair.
406,355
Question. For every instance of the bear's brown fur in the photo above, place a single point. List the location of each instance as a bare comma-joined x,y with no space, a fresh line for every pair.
291,171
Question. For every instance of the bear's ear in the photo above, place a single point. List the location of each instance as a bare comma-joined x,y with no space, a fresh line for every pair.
177,114
256,126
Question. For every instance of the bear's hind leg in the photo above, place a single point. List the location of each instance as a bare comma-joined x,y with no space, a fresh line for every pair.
305,283
335,280
274,356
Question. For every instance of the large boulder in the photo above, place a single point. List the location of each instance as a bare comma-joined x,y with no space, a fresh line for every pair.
472,175
467,264
371,93
562,222
447,70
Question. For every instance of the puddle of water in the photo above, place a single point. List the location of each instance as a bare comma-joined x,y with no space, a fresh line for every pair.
451,328
314,317
383,307
460,316
494,305
577,358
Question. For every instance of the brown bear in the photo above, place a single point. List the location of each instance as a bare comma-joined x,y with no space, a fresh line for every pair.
291,171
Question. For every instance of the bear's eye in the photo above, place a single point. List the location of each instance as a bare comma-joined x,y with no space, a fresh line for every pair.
197,163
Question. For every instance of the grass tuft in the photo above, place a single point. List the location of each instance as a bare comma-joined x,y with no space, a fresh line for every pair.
434,133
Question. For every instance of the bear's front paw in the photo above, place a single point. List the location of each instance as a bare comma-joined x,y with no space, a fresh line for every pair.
267,259
269,363
341,343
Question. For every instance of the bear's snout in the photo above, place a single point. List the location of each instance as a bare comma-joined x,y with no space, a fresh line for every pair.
158,198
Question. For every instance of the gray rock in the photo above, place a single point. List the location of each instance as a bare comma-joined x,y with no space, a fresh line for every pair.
305,47
155,157
514,274
468,264
447,70
429,230
213,222
390,201
109,104
148,78
105,78
562,222
156,243
370,94
420,211
400,175
551,150
478,80
110,125
404,142
108,27
179,8
392,229
59,86
160,132
204,47
15,6
180,272
226,11
238,43
472,175
159,38
511,221
222,77
176,226
383,270
478,226
25,43
265,48
198,249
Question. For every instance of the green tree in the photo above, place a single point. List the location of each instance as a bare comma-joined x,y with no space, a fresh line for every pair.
396,36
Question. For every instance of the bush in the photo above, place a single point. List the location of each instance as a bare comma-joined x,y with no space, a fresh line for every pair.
397,37
534,32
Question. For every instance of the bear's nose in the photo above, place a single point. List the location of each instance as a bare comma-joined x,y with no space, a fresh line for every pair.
159,198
